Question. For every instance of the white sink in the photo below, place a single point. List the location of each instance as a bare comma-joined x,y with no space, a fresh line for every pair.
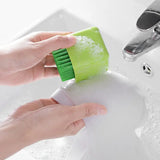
148,134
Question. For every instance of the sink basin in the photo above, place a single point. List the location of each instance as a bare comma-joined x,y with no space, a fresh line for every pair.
145,134
112,136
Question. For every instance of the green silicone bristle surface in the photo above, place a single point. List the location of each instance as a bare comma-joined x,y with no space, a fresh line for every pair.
63,64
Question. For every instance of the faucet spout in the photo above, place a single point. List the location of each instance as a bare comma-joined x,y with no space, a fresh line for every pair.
149,36
143,43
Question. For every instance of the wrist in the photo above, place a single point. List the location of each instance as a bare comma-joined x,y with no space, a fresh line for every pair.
5,62
13,137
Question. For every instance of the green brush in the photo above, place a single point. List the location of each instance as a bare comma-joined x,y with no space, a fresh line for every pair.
88,57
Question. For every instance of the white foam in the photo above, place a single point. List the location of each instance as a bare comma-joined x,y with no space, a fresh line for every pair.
83,42
149,133
112,136
112,91
56,149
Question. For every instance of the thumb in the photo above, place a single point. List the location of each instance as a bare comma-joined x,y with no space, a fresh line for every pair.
54,43
86,110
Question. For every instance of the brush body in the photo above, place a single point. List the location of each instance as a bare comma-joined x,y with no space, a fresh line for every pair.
87,58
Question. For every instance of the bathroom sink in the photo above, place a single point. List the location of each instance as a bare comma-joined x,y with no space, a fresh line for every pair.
144,73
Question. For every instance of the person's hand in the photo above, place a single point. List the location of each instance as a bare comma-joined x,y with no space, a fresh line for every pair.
43,119
29,58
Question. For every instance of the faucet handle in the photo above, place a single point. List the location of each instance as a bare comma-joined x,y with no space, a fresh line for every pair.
150,18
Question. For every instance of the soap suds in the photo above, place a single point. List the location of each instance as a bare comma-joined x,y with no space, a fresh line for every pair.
53,149
149,133
83,42
116,131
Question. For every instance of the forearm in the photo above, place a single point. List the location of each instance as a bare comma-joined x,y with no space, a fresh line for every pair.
13,137
6,62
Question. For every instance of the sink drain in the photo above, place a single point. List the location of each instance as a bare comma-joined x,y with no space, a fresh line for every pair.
147,69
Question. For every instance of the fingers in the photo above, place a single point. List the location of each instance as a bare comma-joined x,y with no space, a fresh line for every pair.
34,105
42,35
57,42
50,71
49,60
77,113
86,110
75,127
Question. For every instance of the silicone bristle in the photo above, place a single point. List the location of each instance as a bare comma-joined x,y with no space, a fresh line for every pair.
64,64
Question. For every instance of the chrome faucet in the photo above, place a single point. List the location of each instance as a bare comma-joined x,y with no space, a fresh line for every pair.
149,36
